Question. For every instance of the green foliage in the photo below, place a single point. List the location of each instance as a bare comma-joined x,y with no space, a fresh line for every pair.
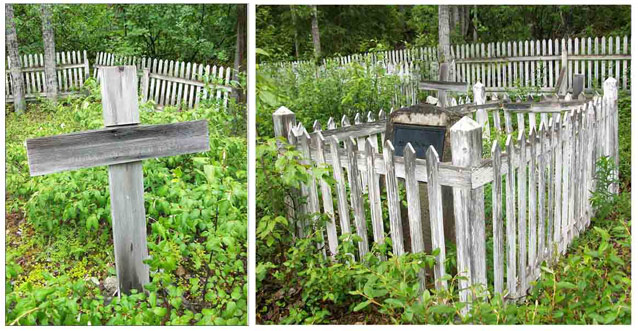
200,33
348,29
319,92
61,242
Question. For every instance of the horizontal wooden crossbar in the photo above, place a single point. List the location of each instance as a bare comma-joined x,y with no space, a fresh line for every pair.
115,145
443,86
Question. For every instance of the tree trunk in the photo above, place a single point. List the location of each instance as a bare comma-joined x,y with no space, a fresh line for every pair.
315,33
48,38
17,83
293,14
240,47
474,24
444,33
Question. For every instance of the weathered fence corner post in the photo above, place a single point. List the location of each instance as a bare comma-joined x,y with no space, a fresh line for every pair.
466,143
119,103
481,114
283,119
610,113
283,122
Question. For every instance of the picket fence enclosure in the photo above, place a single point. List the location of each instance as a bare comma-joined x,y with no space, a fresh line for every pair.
542,178
173,83
72,70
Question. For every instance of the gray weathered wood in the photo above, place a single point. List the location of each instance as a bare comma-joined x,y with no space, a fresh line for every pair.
119,95
106,146
414,206
510,225
342,199
326,197
436,217
374,195
394,205
465,136
356,198
497,220
532,198
522,216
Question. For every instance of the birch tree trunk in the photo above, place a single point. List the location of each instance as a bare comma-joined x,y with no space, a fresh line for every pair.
48,38
19,103
474,23
315,33
240,47
293,14
444,33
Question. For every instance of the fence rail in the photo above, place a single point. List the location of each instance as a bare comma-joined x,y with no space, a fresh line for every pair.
509,65
541,181
72,70
173,83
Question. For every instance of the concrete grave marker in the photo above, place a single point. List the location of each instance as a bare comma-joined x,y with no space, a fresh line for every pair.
122,145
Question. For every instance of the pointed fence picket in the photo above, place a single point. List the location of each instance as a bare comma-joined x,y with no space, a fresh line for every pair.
541,182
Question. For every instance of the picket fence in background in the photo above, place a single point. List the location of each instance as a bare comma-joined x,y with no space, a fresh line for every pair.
72,70
173,83
510,65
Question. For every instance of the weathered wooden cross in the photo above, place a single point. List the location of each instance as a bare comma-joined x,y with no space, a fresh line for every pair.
121,145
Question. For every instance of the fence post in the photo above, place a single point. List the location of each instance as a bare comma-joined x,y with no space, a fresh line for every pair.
86,66
562,79
610,111
481,114
466,144
283,121
145,79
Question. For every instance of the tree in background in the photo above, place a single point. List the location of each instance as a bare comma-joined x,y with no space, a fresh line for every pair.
240,48
316,39
48,39
286,34
19,103
444,33
203,33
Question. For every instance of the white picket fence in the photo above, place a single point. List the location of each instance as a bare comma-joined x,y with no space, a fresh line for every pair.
510,65
72,70
174,83
541,182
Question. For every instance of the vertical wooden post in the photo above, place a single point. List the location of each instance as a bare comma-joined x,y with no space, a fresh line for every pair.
578,86
469,213
283,119
610,106
436,216
481,115
86,66
145,79
443,76
562,88
126,183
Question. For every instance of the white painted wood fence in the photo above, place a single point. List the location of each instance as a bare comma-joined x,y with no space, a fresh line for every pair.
508,65
72,70
541,178
171,82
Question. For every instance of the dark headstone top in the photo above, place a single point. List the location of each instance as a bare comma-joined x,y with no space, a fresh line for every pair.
422,125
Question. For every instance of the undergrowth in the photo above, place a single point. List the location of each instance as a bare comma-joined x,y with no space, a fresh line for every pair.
59,241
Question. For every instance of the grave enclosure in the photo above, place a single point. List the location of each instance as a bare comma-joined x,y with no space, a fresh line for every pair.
542,178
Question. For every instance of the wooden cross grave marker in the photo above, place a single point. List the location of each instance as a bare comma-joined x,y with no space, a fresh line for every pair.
121,145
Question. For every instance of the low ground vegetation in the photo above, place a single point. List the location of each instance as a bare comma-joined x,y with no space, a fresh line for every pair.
59,253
